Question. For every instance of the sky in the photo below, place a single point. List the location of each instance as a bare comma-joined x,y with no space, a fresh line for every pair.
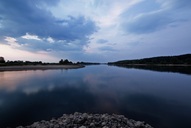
93,30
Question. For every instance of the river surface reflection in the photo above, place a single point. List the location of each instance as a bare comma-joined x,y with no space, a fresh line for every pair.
159,98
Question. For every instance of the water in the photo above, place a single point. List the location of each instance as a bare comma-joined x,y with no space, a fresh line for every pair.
162,99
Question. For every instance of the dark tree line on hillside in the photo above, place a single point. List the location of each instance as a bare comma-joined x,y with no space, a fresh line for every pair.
181,59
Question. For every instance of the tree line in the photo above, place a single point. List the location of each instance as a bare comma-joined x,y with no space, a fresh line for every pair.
20,62
61,62
181,59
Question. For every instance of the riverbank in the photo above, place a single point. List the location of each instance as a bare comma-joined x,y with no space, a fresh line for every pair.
39,67
84,120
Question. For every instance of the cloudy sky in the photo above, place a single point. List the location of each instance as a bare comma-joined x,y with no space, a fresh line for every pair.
93,30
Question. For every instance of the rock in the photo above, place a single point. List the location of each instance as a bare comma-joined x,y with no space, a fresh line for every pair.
103,123
82,127
139,124
92,124
84,120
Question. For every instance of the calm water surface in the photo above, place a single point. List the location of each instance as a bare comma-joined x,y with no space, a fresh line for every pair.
162,99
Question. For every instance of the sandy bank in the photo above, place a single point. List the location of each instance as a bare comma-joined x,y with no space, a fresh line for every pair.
38,67
84,120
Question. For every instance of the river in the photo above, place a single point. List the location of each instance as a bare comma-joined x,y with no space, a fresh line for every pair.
159,98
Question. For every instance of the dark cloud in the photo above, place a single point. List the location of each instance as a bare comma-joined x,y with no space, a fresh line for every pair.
27,16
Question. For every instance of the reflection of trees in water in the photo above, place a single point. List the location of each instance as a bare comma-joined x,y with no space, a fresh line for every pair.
174,69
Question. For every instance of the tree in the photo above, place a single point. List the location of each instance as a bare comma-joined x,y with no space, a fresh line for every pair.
2,60
61,61
66,61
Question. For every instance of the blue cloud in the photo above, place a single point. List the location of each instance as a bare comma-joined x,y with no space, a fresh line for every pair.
148,23
73,25
151,20
23,16
179,4
101,41
43,45
107,48
142,7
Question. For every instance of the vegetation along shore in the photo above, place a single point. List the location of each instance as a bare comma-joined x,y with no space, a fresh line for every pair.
180,60
37,65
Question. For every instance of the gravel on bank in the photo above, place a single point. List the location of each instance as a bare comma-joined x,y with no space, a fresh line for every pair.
84,120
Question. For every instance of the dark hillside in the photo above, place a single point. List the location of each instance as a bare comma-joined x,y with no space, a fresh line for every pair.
180,59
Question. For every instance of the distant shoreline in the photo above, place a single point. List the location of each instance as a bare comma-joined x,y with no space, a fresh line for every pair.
170,65
179,60
39,67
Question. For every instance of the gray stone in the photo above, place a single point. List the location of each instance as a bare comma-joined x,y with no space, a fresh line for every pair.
92,124
103,123
138,124
82,127
84,120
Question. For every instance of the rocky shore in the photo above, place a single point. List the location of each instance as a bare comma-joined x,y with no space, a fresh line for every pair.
84,120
